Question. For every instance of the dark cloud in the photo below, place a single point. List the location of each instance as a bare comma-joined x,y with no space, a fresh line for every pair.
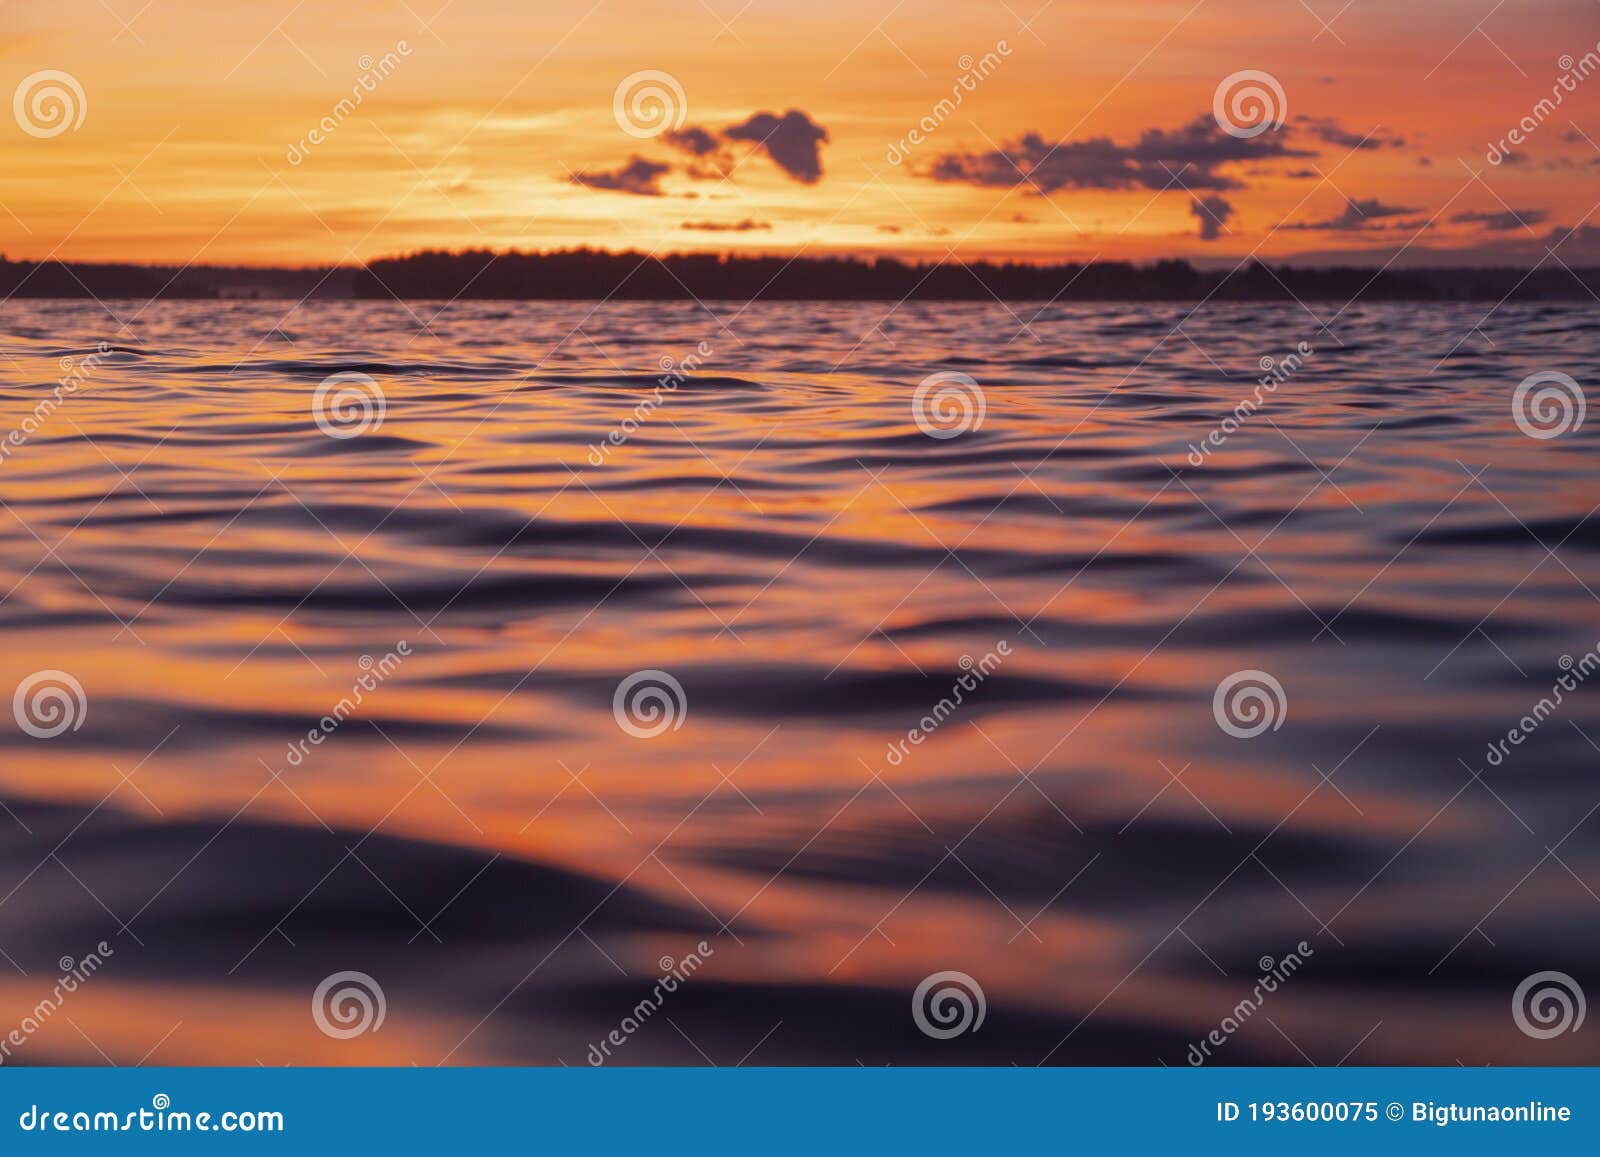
710,159
1330,131
1202,143
693,140
1213,213
639,177
1188,157
1359,216
745,226
1504,222
888,228
793,141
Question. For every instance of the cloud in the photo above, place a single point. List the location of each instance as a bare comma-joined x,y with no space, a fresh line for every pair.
1213,213
1202,142
793,141
1503,222
1358,216
710,159
694,140
639,177
1330,131
1188,157
745,226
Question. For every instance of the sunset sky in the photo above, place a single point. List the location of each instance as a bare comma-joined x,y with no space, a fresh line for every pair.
1093,133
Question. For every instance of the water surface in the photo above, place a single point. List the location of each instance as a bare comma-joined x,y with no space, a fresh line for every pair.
776,532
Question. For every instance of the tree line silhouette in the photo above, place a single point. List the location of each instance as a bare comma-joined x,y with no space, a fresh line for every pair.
590,274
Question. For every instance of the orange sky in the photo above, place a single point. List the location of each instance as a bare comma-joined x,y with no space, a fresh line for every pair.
190,111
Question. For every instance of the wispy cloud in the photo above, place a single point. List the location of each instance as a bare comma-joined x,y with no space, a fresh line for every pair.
639,176
1188,157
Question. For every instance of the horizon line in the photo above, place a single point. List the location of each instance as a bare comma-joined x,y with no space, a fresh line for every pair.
1211,265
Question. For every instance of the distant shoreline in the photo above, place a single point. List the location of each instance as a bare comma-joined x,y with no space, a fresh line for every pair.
592,275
